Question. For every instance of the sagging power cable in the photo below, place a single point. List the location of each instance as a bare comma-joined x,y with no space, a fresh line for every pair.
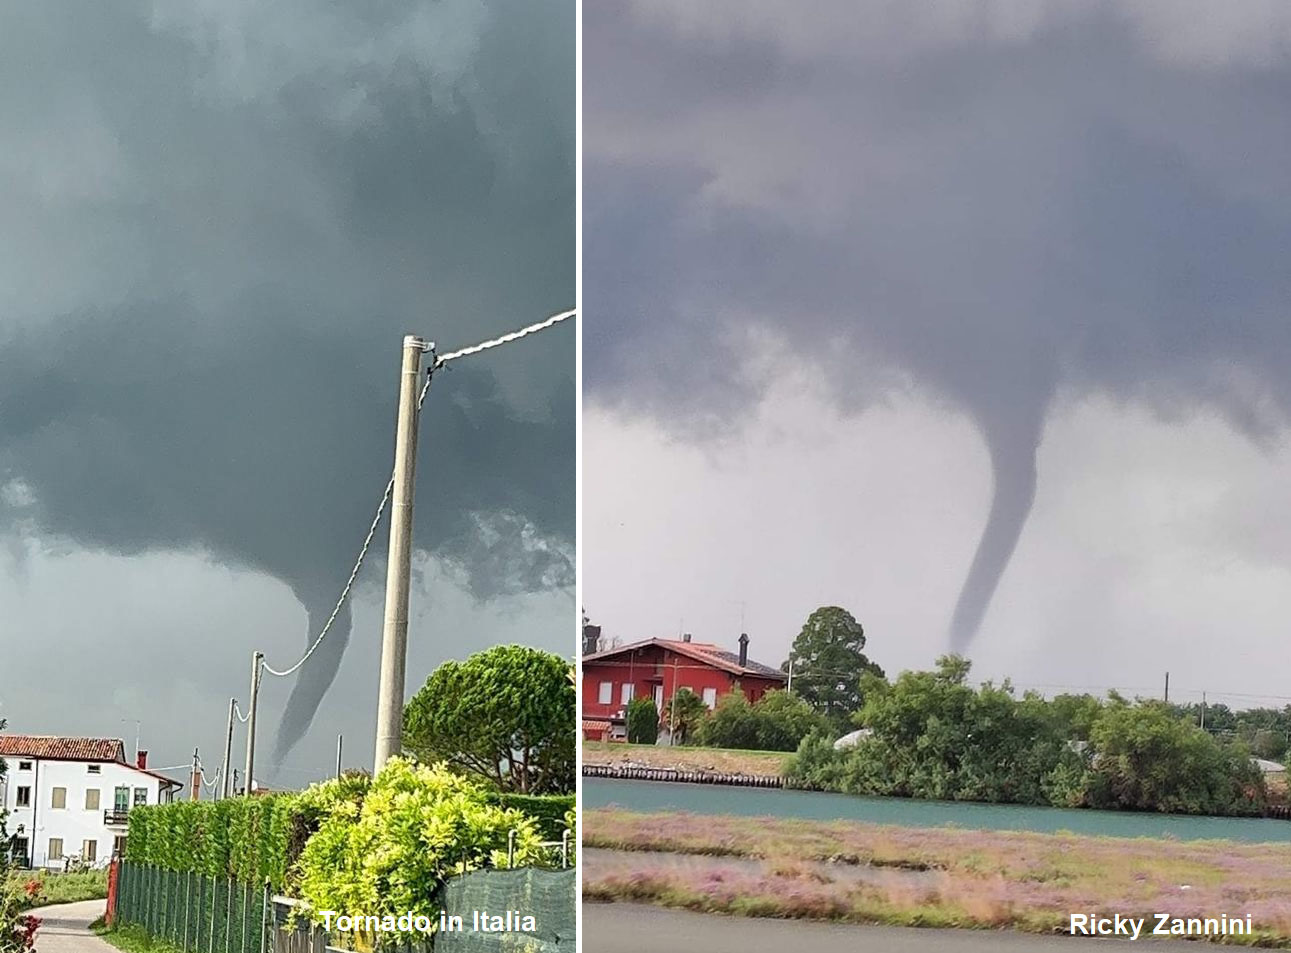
439,361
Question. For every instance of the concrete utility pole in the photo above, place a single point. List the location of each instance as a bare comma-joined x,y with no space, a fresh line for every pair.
1167,687
340,740
256,661
227,764
195,778
789,688
394,634
1203,711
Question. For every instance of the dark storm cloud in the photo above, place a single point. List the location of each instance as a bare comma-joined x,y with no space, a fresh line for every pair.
1089,205
220,222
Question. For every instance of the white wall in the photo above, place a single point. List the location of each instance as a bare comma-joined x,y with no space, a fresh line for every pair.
73,823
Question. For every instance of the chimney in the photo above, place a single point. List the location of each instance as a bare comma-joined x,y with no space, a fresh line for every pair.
744,649
591,638
686,637
141,760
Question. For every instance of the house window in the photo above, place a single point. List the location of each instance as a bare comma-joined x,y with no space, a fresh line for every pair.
24,797
121,800
119,846
628,690
710,697
56,848
607,693
90,851
92,799
24,765
58,798
140,796
94,769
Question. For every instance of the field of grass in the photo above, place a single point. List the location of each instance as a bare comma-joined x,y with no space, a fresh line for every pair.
65,888
930,877
686,758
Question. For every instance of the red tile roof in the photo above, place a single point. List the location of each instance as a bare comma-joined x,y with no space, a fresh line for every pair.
62,749
595,725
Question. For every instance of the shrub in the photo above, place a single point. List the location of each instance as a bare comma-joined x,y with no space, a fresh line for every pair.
415,827
643,721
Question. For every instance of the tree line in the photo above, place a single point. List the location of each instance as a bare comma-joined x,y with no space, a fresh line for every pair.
932,734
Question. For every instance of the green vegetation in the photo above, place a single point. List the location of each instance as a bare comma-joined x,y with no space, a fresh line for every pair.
244,838
133,939
551,812
935,736
643,721
846,871
685,713
506,715
778,721
829,664
59,888
415,827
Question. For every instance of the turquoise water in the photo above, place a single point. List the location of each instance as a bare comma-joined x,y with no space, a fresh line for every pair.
758,802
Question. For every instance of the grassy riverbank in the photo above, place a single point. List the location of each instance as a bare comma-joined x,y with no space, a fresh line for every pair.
854,872
686,758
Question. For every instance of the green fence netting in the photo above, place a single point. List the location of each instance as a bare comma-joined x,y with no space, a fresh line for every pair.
546,895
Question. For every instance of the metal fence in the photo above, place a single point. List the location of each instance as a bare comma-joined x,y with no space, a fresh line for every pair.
191,911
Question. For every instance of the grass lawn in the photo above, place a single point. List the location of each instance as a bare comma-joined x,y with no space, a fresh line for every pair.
65,888
848,871
686,758
133,939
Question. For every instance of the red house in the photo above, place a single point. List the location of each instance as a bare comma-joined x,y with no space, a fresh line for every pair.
657,668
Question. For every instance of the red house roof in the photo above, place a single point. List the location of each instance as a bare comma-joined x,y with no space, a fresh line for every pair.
53,748
62,749
708,653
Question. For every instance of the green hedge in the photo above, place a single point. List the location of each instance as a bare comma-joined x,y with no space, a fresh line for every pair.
243,838
250,839
548,809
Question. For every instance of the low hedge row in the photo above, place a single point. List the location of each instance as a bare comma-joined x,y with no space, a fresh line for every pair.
548,809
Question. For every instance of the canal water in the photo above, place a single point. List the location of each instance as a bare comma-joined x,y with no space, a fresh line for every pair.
760,802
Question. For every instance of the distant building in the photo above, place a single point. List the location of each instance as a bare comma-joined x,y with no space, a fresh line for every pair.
71,797
658,668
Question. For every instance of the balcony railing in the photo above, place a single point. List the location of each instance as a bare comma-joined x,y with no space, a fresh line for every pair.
116,816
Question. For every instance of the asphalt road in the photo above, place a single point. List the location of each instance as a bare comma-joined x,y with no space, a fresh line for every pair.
628,928
65,928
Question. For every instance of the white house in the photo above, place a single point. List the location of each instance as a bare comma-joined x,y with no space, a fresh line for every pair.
70,797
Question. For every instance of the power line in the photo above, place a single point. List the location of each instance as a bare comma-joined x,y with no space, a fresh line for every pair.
440,361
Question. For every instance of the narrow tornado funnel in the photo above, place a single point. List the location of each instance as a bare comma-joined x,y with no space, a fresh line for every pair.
1012,443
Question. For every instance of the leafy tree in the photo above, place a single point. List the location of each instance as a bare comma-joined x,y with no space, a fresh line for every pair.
643,721
1149,759
828,664
732,724
506,715
685,712
778,721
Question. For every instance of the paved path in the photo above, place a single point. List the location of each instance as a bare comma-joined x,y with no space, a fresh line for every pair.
629,928
65,928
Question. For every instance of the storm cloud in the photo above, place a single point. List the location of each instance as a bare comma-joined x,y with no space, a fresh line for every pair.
1003,207
219,222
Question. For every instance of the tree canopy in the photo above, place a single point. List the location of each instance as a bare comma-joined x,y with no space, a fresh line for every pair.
828,662
507,715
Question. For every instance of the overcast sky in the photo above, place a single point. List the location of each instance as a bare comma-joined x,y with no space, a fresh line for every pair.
219,220
972,318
